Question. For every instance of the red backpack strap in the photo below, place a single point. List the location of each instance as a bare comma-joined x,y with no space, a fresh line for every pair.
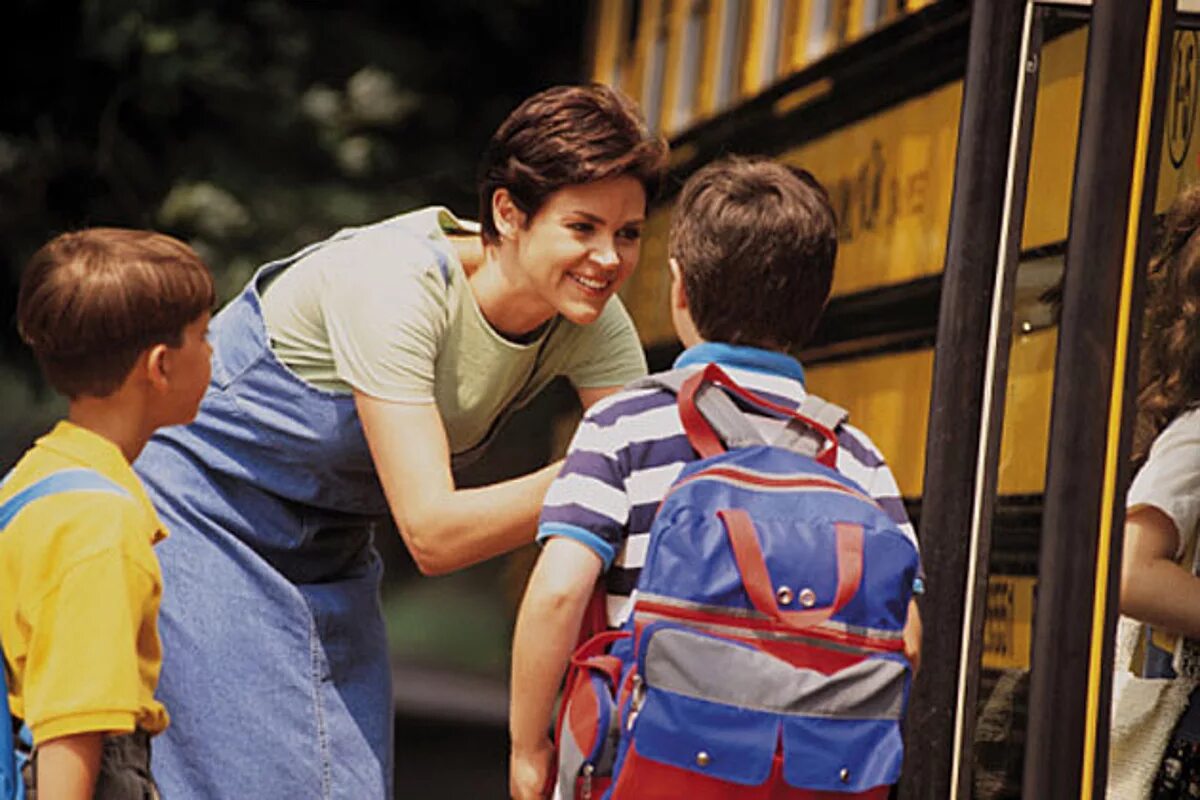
707,440
747,553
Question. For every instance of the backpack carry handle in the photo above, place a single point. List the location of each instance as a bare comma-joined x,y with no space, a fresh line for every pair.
705,440
748,553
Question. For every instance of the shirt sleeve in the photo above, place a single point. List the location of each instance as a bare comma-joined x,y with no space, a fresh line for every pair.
587,501
876,477
1170,478
385,313
82,669
609,353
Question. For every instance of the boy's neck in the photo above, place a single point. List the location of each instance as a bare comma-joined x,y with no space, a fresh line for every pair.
113,418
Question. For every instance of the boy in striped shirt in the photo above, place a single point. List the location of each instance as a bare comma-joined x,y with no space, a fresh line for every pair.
752,247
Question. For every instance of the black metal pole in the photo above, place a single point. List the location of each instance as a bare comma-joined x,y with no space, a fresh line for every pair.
960,379
1081,533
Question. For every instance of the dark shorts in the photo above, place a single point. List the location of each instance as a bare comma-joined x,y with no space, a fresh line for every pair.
124,770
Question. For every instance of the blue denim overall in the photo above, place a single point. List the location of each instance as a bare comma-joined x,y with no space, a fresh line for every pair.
275,669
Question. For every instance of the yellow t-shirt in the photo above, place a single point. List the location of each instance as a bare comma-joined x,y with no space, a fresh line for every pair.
79,609
373,311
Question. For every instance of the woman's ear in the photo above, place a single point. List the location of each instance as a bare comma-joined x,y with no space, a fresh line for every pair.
505,214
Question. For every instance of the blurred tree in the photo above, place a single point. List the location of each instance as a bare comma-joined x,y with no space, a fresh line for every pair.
251,128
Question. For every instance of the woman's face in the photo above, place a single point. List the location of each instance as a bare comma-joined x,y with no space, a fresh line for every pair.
582,244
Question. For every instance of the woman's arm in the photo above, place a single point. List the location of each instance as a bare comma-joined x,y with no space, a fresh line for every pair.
445,528
547,628
67,767
1154,587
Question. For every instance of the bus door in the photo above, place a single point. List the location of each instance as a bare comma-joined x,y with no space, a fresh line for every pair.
1056,187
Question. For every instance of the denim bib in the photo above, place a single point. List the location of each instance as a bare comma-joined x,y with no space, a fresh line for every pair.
275,669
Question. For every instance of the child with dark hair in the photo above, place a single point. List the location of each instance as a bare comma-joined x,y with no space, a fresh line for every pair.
350,379
117,320
752,247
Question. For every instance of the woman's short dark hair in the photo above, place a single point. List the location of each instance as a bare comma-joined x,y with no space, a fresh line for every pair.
566,136
756,241
91,301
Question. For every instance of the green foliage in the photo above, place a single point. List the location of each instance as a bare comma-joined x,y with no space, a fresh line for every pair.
252,128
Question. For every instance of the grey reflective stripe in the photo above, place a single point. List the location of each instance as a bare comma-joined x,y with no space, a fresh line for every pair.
823,411
699,666
570,761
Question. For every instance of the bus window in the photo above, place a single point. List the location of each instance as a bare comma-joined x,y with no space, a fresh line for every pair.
655,62
729,54
823,28
685,68
765,37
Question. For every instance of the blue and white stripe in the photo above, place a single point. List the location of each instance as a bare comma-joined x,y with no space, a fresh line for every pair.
631,447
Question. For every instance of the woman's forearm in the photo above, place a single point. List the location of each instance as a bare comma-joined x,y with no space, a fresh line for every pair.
466,526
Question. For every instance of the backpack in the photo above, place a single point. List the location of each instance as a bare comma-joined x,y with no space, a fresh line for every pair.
16,746
764,655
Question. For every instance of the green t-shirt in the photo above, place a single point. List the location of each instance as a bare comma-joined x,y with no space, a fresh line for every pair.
373,310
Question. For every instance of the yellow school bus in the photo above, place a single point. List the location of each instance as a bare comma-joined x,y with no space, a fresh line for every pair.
867,95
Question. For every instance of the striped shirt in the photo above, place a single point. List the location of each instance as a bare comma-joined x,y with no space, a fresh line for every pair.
631,446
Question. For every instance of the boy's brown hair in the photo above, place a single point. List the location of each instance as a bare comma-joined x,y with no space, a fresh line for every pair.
92,301
566,136
755,241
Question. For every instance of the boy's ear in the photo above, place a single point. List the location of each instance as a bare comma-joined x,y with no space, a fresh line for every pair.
505,214
156,367
678,295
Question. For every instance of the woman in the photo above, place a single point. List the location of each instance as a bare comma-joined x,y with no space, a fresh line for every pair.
347,381
1158,586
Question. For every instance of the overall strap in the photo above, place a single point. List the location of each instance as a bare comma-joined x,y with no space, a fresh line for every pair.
12,787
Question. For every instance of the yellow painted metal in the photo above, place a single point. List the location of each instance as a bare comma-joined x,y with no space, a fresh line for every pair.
1055,137
890,178
1008,622
1023,441
887,397
789,27
1180,165
634,79
710,60
607,39
754,76
677,15
854,21
645,293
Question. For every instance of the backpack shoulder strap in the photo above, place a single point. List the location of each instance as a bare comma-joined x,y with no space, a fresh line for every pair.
800,437
72,480
717,406
68,480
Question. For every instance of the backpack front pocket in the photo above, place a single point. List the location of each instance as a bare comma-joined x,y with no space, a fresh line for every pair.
725,719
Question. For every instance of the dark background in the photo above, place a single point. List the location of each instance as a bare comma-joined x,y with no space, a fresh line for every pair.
250,128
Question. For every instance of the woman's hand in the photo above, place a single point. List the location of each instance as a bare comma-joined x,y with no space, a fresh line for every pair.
531,771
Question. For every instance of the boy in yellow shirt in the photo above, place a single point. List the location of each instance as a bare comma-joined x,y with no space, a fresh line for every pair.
117,320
